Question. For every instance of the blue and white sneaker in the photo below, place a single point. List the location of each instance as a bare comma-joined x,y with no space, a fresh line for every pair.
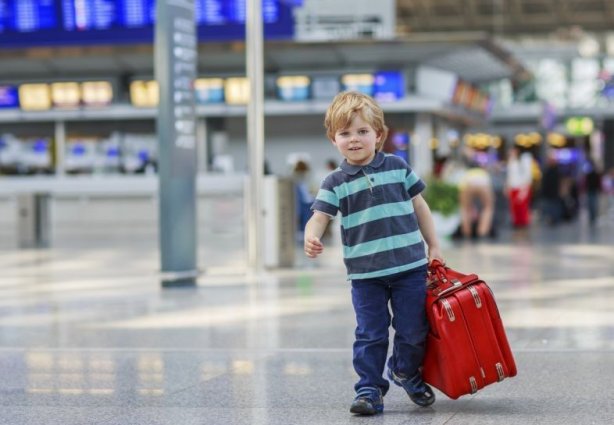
417,390
368,401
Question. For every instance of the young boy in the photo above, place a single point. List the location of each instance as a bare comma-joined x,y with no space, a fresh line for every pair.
383,222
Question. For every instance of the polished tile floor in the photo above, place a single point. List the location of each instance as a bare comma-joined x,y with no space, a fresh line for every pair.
87,336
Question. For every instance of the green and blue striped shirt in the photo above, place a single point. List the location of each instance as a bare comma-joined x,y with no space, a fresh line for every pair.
379,229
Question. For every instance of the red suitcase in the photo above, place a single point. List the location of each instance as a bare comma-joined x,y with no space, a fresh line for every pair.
466,347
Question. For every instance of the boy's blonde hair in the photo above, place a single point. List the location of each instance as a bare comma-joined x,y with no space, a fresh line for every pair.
346,105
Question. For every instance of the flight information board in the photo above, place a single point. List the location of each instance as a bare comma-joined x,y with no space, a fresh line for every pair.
62,22
25,16
8,97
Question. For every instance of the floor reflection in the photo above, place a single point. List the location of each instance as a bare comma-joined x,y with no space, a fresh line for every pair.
92,328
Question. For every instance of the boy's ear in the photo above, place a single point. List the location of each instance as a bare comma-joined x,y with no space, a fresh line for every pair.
379,143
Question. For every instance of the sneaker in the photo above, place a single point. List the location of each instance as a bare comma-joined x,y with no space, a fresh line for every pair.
417,390
368,401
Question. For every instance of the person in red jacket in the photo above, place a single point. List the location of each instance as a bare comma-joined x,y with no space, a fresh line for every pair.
519,178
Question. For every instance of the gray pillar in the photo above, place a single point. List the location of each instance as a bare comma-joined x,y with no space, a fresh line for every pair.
34,220
175,69
255,134
60,148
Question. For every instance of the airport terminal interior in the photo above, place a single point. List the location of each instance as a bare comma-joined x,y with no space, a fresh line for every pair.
152,274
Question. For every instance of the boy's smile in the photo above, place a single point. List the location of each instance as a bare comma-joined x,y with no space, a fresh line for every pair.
357,143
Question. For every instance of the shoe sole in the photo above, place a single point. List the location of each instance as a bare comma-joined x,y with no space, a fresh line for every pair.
427,404
362,410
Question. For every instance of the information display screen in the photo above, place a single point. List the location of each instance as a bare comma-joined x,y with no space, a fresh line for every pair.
24,16
96,93
209,90
144,94
293,88
389,86
35,97
62,22
65,95
236,90
8,97
358,82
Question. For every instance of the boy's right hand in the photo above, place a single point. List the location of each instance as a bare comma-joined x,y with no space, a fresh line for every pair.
313,247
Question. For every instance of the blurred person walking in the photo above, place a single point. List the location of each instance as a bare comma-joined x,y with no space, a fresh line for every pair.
477,202
519,180
608,188
551,202
592,186
303,197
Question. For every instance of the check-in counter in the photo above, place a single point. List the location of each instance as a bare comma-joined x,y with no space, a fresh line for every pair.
28,202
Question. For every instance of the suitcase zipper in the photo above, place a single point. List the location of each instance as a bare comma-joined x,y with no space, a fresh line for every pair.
476,297
448,307
474,385
500,371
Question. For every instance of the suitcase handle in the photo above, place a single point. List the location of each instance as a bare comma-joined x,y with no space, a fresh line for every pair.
439,270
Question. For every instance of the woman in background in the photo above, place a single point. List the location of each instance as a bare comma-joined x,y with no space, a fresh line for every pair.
519,179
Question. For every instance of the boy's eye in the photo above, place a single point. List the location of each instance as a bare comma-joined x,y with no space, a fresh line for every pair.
363,131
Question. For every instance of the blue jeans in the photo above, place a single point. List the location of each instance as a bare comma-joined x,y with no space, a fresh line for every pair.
406,293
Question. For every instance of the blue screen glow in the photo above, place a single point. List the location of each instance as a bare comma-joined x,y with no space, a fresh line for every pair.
70,22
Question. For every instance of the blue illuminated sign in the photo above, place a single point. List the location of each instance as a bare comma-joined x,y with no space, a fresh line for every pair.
400,141
388,86
9,97
26,16
63,22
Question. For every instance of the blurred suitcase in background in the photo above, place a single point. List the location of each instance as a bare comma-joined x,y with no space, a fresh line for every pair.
466,347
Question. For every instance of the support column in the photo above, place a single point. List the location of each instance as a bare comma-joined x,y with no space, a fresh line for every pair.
60,148
255,134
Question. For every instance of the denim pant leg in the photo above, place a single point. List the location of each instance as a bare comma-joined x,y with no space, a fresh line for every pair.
370,299
408,296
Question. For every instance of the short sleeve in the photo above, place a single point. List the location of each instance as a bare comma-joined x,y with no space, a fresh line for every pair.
413,184
326,201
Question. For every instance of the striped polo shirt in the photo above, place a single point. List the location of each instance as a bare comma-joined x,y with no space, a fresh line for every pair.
379,229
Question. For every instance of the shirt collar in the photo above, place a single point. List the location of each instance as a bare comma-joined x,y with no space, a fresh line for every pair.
352,170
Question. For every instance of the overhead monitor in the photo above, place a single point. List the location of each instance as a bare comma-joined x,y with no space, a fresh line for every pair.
209,90
96,93
76,22
325,87
27,16
9,97
358,82
65,95
293,87
34,97
237,90
388,86
144,94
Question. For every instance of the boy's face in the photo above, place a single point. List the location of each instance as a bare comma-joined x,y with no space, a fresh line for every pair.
357,142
